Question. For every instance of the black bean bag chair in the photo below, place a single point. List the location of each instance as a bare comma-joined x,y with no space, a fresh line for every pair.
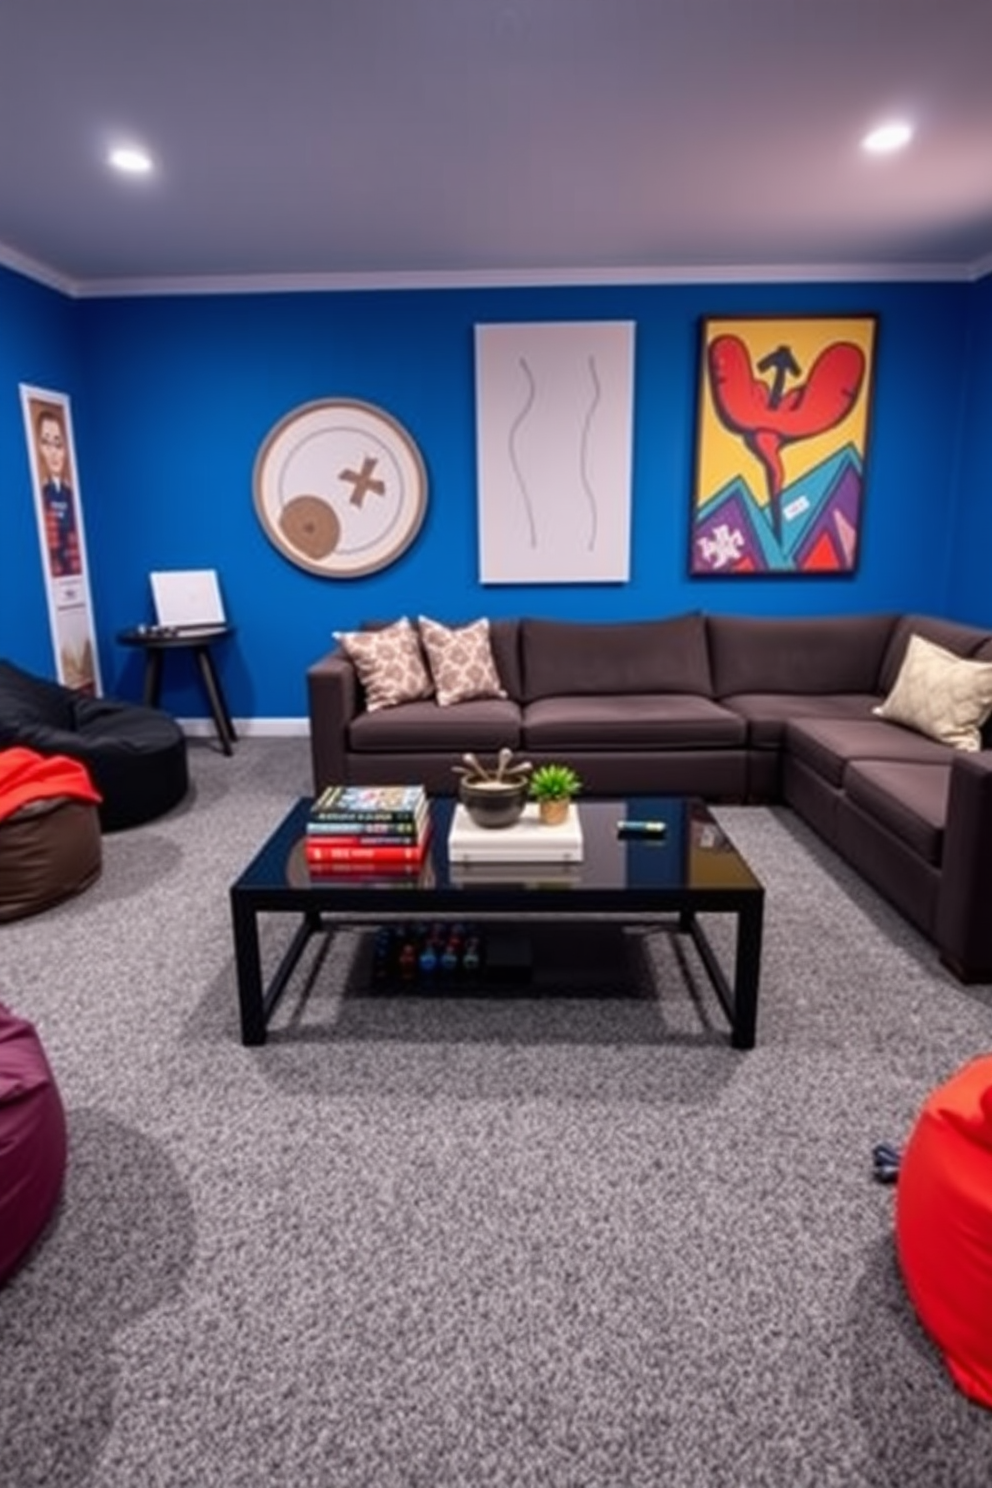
136,756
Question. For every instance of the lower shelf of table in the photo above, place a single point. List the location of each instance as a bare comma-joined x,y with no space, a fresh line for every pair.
466,960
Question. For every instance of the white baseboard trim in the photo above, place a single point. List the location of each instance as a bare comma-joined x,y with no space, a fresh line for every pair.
247,728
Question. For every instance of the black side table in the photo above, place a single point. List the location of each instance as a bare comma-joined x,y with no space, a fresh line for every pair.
155,640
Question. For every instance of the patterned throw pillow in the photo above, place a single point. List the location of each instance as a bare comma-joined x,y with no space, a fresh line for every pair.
461,661
389,664
940,695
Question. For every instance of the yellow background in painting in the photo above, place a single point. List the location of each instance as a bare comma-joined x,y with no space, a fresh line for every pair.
722,456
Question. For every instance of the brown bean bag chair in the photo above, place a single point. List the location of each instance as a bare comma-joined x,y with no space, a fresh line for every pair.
50,843
32,1140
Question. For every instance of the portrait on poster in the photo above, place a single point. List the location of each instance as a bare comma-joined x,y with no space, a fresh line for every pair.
54,476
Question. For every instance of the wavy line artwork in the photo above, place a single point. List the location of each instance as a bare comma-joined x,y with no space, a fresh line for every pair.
554,415
597,393
511,445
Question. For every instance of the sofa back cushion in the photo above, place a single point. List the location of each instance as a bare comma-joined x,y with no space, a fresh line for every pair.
963,640
834,653
566,658
504,637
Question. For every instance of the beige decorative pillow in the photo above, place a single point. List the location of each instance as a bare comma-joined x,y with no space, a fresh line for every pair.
389,664
461,661
940,694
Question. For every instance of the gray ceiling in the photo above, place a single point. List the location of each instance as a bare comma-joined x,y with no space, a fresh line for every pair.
478,137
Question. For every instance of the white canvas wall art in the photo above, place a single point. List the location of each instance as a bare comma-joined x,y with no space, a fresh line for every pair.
554,417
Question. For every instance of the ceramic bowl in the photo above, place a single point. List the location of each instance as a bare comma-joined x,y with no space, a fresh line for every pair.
493,803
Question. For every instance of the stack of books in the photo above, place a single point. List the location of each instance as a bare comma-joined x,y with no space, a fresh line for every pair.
378,829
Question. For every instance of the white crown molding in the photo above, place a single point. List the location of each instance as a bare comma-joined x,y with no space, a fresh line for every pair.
10,258
435,279
523,279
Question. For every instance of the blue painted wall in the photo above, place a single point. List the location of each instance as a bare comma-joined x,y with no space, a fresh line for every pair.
38,345
971,583
172,397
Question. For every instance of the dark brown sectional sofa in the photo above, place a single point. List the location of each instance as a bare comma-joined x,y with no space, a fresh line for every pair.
729,708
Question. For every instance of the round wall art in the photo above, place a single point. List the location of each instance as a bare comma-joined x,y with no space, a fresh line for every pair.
340,488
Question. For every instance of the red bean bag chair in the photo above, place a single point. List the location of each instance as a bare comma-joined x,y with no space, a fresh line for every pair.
944,1224
32,1140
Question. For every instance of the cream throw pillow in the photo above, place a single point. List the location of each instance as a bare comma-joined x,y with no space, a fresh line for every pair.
940,695
461,661
389,664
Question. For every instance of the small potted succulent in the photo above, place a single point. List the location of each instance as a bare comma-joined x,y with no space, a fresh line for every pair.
552,787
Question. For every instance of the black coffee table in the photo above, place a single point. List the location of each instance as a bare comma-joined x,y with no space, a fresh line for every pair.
694,870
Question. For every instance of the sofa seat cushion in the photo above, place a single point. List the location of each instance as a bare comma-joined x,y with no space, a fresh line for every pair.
637,721
828,745
482,723
909,799
767,713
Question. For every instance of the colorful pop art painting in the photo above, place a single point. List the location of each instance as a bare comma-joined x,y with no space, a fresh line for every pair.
782,431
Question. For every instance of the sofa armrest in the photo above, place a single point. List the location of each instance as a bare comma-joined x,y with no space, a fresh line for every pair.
964,921
333,700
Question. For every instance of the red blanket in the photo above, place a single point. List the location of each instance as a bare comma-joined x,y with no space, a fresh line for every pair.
26,776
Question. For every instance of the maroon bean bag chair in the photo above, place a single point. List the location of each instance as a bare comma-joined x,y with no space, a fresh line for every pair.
32,1140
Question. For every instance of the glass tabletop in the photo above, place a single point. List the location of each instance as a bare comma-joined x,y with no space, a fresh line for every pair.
694,857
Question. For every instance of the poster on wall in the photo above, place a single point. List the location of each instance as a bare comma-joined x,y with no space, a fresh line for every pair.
554,419
782,429
58,508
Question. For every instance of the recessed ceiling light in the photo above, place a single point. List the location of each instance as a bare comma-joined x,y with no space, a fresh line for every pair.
131,160
888,137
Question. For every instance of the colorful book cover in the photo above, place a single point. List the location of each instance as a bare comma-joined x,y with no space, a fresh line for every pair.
379,803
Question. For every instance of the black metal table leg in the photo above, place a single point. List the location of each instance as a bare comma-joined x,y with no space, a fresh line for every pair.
153,678
248,969
218,708
747,972
256,1000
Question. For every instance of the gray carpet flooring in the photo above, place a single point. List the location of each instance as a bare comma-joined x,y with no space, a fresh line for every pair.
574,1242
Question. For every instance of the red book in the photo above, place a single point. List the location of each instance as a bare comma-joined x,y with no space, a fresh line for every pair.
371,873
324,840
336,852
